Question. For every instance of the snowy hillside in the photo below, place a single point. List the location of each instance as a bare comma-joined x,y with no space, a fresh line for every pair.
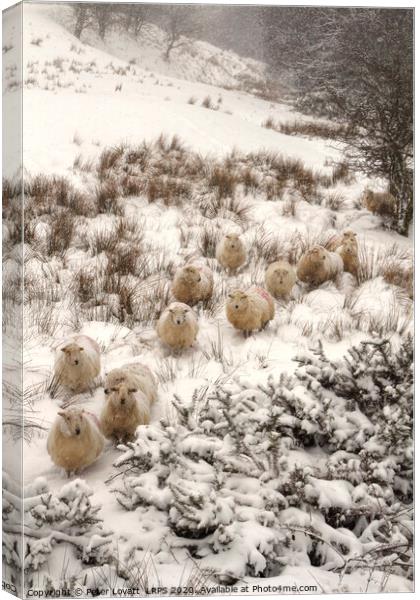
256,468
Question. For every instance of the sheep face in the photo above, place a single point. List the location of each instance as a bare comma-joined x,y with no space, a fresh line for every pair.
122,396
280,275
191,274
72,354
349,235
73,422
178,315
238,301
232,241
348,247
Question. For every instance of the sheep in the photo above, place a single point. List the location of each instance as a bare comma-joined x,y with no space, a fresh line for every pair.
193,283
345,236
250,310
231,252
136,375
77,363
318,265
177,326
349,254
75,440
130,392
380,203
280,278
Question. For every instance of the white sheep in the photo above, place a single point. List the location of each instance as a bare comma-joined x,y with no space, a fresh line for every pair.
318,265
135,375
75,440
250,310
231,252
177,326
350,256
77,363
280,278
346,236
380,203
193,283
130,392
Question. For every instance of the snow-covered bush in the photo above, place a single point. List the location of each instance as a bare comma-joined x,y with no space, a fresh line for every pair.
231,483
49,519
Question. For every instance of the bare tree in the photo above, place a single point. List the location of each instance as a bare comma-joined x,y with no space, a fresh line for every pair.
355,65
104,15
82,18
373,92
134,17
178,23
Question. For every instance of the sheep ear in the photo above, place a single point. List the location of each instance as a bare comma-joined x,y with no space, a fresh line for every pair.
63,349
61,413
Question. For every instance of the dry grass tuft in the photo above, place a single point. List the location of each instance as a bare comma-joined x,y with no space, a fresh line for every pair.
207,241
329,131
60,234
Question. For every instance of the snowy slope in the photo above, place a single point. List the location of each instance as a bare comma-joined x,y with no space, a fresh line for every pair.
73,111
195,61
85,79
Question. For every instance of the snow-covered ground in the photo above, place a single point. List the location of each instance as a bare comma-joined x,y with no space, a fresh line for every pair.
73,110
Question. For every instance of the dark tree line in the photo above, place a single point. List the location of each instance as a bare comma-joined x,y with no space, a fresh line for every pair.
178,22
355,65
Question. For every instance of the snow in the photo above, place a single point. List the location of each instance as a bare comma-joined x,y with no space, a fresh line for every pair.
74,110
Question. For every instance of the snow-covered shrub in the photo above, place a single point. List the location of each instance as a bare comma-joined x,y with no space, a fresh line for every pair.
50,519
228,482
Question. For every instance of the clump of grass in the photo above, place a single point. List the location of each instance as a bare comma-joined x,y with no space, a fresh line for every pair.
249,180
172,191
60,234
108,160
103,241
85,165
334,201
374,263
341,172
308,128
107,194
289,207
123,259
36,41
394,274
269,123
84,284
223,181
207,241
207,103
77,139
132,186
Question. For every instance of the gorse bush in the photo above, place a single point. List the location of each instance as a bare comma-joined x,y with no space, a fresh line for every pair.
219,480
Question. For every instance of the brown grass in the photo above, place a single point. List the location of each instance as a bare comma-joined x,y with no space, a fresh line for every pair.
107,194
60,235
327,131
223,181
